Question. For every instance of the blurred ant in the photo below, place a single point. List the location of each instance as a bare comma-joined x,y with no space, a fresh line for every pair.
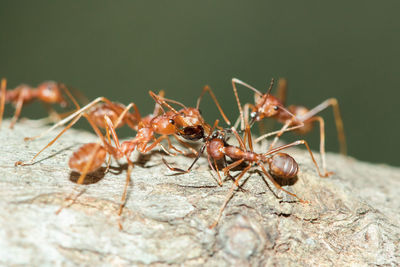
300,118
47,92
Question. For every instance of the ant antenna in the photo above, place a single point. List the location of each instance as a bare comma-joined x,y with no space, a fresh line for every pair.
270,86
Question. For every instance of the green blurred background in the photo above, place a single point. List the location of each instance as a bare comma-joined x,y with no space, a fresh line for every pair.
122,49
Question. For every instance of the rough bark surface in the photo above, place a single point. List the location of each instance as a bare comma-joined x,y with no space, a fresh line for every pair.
353,217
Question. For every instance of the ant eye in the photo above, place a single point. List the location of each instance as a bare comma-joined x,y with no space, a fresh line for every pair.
276,108
253,115
172,122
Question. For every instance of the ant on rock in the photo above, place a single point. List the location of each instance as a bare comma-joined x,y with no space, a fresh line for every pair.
47,92
281,165
300,118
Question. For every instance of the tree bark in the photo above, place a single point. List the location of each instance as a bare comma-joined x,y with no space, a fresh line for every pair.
352,218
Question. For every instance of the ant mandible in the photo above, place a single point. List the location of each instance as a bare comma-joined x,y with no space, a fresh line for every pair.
48,92
300,118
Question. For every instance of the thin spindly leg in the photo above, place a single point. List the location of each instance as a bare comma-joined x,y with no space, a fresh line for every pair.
191,165
232,166
322,143
123,113
2,98
276,132
50,143
18,108
192,150
229,196
70,117
237,81
208,89
157,107
338,120
124,194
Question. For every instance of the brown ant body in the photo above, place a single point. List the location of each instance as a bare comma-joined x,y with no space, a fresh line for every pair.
48,92
299,118
281,165
89,157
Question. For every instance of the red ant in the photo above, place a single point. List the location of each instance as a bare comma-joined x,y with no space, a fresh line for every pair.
281,165
47,92
301,118
89,157
189,120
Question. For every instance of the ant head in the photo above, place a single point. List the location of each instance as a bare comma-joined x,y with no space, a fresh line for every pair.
50,92
163,125
268,106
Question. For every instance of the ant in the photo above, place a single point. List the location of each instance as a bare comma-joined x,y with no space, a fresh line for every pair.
48,92
300,118
190,122
89,157
281,165
117,114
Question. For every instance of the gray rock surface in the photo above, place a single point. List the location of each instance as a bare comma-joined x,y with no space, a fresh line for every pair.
353,218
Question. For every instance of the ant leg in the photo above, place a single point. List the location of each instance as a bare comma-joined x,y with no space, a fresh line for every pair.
109,155
277,185
214,168
217,171
186,145
234,81
338,120
249,138
191,165
322,142
18,108
157,106
231,166
281,131
70,117
157,142
229,196
296,143
161,101
68,93
276,132
2,98
123,113
170,146
240,141
208,89
50,143
124,194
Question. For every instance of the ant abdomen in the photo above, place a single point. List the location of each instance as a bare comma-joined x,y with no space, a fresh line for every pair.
283,166
86,153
